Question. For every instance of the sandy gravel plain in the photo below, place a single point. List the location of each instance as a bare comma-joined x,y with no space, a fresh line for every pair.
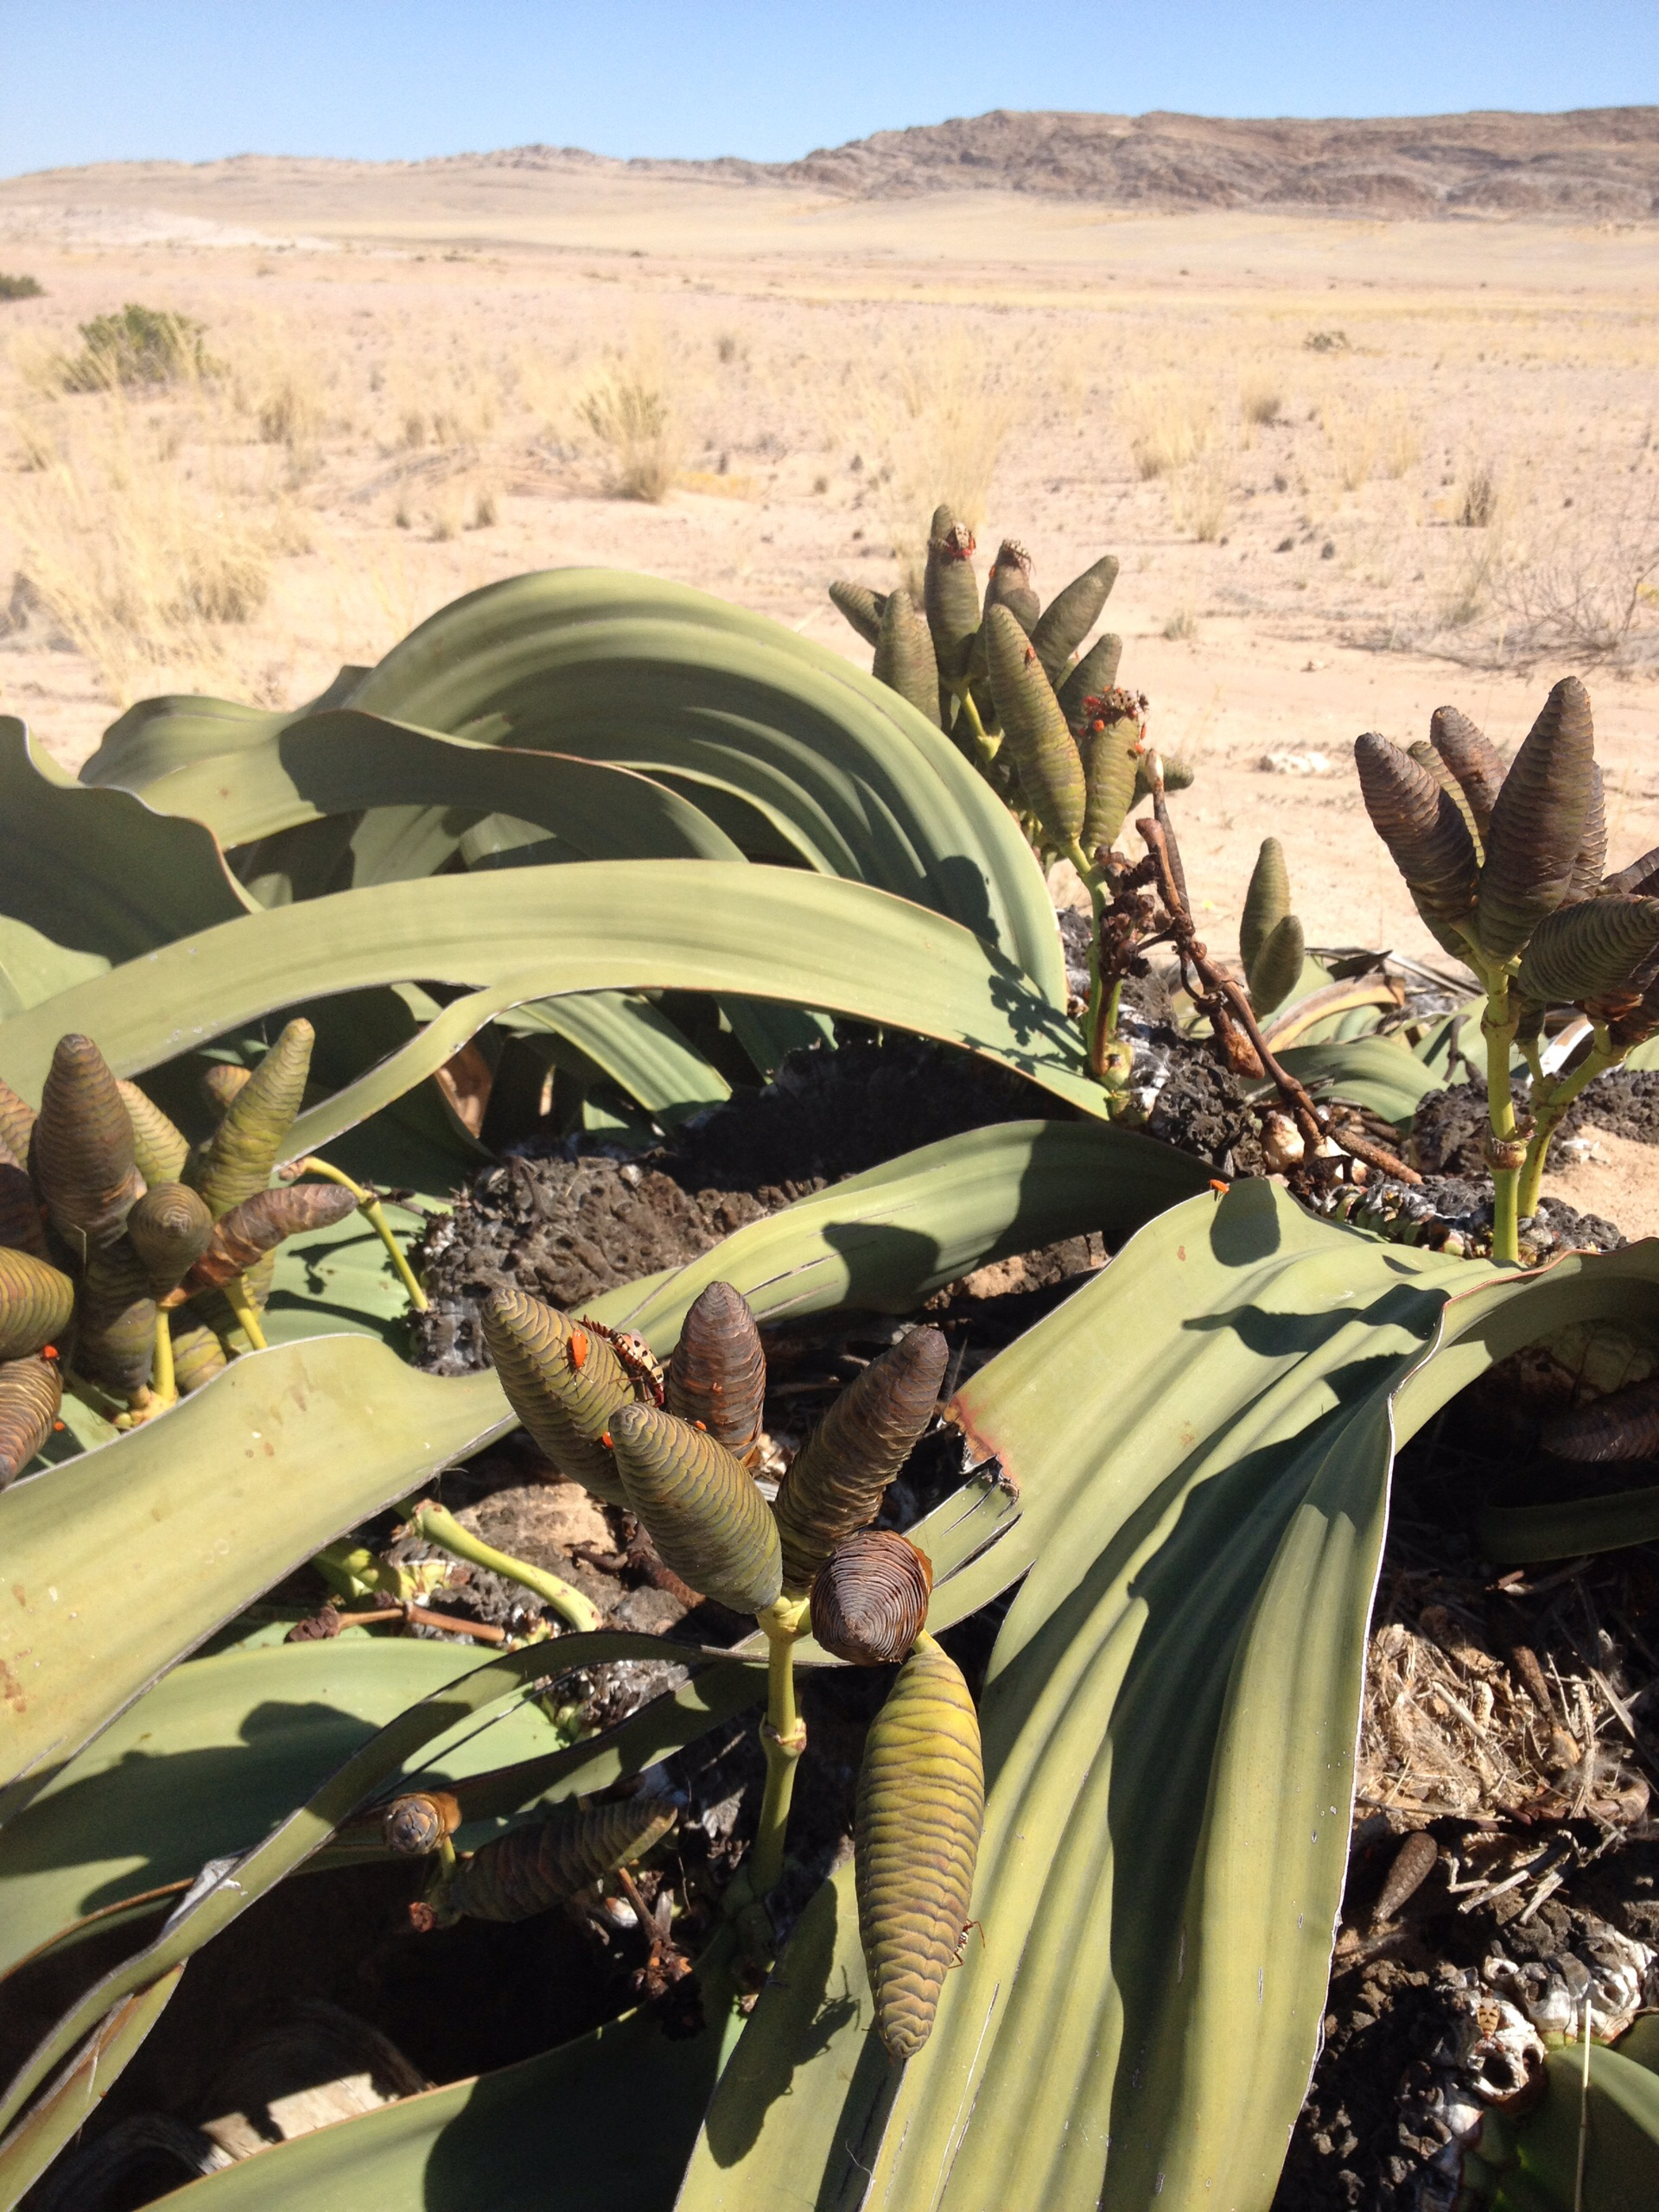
1353,468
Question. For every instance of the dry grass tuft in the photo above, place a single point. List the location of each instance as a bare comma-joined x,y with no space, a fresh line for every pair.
1261,401
1369,437
1171,420
626,409
1200,497
933,420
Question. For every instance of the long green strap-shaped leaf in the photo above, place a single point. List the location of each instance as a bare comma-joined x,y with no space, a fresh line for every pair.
100,872
338,762
217,1500
203,1914
599,657
84,2082
537,932
1203,1438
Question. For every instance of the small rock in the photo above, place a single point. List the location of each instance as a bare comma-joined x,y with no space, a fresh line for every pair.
1295,764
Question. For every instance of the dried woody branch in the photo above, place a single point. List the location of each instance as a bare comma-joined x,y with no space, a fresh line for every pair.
1244,1048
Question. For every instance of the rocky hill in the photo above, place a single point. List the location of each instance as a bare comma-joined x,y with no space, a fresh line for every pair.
1599,162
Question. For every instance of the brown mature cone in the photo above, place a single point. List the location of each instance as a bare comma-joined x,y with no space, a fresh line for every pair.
1425,835
170,1228
82,1154
241,1238
31,1391
1642,876
21,1226
16,1123
223,1081
869,1598
1473,759
1601,953
115,1321
1625,1425
834,1486
1592,850
1538,823
717,1378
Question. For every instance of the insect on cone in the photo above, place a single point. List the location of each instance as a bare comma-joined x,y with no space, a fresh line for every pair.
920,1808
717,1377
82,1154
1034,729
701,1508
564,1382
834,1486
545,1861
1093,677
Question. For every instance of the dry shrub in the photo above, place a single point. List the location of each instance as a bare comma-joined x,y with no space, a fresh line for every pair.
1369,437
627,411
933,420
1200,495
1261,401
138,558
1587,590
1171,420
1479,496
141,345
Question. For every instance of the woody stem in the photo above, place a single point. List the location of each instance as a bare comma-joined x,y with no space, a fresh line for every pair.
782,1739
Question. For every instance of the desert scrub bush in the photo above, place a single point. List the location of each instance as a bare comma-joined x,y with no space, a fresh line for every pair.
19,288
1261,401
139,347
627,409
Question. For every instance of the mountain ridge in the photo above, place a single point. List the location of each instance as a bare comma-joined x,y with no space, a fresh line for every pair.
1595,163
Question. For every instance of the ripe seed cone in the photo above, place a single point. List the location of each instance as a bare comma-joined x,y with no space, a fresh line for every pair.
16,1123
35,1303
1592,849
920,1808
1095,675
566,1407
950,596
545,1861
1267,901
31,1390
170,1228
861,607
1275,972
237,1160
159,1150
415,1825
1625,1425
1601,949
1110,751
1538,822
20,1210
1071,615
1642,876
241,1238
834,1486
82,1154
717,1377
1425,836
1473,759
1426,757
222,1082
115,1321
1051,770
701,1508
869,1598
903,656
198,1355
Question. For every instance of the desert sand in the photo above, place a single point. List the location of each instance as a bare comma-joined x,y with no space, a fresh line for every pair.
1353,466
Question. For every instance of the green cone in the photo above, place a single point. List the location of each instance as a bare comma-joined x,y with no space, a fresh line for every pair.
703,1509
1071,615
1034,730
237,1159
1267,902
564,1382
903,656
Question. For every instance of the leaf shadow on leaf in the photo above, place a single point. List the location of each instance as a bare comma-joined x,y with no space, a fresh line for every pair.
1287,1336
762,2069
1245,1226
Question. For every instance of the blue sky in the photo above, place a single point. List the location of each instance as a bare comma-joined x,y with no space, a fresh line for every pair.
87,80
